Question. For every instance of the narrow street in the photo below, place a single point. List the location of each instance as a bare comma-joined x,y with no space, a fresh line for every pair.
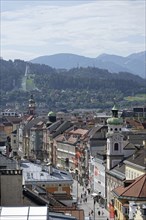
89,205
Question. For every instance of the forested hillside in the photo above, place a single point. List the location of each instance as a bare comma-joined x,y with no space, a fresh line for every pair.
75,88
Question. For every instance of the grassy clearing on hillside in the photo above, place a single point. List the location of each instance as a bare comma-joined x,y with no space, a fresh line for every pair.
30,84
138,97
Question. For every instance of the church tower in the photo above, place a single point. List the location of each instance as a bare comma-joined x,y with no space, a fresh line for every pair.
114,139
31,106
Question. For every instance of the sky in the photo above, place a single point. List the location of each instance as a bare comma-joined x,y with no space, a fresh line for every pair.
30,28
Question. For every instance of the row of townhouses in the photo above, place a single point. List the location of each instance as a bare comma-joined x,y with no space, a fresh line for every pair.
105,153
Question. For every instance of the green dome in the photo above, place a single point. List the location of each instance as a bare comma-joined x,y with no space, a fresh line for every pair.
51,114
115,121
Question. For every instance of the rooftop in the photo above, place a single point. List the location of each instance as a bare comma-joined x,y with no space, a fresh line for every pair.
118,171
137,189
7,163
137,159
25,213
37,173
31,213
79,131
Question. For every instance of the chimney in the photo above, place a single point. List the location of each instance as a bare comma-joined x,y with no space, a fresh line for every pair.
50,169
133,156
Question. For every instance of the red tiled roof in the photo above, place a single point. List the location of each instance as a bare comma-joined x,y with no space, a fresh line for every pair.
72,140
79,131
135,123
60,138
136,189
29,117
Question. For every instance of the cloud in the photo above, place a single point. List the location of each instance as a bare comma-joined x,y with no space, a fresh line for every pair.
87,29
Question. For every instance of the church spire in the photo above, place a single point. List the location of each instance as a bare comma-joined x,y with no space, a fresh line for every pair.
31,105
115,151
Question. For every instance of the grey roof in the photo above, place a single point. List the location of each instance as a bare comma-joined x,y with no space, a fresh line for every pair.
31,123
7,162
129,146
137,159
120,168
118,171
60,216
93,131
53,126
63,127
37,173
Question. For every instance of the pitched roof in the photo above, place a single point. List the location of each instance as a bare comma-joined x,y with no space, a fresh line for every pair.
60,138
72,140
7,162
118,171
31,123
95,129
79,131
137,189
134,124
13,119
128,145
137,159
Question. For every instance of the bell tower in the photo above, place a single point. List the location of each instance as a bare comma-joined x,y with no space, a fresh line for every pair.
114,139
31,106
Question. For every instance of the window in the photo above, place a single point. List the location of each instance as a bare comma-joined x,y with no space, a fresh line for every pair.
67,162
129,174
116,129
116,146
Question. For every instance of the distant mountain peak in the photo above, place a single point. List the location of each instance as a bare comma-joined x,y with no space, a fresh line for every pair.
134,63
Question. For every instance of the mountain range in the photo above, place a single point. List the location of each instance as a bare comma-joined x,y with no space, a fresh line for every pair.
134,63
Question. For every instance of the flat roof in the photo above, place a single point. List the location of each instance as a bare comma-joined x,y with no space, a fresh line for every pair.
41,173
24,213
31,213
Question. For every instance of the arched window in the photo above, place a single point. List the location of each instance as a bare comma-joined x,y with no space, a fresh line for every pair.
116,129
116,146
